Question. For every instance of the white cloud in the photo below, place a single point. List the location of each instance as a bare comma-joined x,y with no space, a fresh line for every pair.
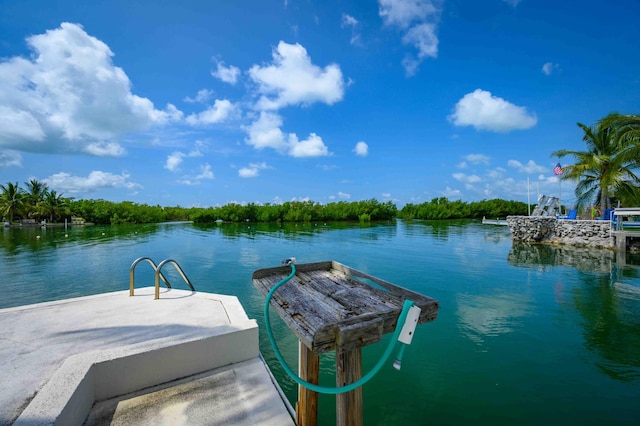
311,147
293,80
386,195
484,111
221,110
530,168
105,149
265,133
361,149
462,165
228,74
418,19
253,170
451,193
403,13
350,21
202,96
467,178
68,96
477,158
548,68
65,182
173,161
205,172
10,158
344,195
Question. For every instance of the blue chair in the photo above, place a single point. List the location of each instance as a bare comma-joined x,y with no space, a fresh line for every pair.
606,214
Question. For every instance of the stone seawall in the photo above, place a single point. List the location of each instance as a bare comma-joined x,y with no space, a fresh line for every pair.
581,233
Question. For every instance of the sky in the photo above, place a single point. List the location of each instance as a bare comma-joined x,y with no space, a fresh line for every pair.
203,103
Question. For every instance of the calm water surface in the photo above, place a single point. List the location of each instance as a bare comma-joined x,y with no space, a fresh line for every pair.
526,334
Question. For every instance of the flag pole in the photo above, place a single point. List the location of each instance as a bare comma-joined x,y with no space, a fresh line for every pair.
528,197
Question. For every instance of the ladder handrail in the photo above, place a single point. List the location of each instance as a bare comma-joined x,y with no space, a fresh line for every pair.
158,273
132,273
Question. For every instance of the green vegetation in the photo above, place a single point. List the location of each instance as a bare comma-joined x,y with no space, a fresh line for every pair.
38,202
442,208
606,171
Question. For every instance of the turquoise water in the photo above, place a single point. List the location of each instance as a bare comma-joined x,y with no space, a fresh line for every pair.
526,334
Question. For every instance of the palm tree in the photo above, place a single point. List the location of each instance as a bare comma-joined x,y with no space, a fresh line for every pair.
11,199
607,167
34,197
53,204
627,126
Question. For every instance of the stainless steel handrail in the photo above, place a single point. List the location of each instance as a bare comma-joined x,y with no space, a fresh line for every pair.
132,275
158,273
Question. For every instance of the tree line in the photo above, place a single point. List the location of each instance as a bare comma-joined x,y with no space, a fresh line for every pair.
38,202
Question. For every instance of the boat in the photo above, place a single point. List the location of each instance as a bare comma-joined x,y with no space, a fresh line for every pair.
132,358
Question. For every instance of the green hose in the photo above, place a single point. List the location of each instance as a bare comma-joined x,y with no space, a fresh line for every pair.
325,389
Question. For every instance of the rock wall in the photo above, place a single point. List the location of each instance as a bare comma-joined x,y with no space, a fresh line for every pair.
581,233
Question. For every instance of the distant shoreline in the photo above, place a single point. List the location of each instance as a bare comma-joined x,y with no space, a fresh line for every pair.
47,225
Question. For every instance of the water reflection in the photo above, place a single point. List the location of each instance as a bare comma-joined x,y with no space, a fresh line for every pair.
610,312
545,256
604,294
489,316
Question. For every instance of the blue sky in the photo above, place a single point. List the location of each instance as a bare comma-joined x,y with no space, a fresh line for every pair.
203,103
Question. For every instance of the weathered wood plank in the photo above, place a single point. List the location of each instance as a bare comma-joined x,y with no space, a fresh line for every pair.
349,405
308,370
326,303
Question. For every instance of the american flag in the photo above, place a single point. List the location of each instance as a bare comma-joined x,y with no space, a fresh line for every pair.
557,170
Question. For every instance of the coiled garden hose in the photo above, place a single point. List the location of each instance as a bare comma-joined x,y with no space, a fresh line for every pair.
347,388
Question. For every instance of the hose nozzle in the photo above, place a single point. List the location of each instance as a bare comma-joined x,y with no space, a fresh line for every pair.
289,261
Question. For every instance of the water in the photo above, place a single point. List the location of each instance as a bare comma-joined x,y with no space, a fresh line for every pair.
526,334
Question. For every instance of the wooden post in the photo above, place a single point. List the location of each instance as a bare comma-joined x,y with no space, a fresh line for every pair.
349,405
308,370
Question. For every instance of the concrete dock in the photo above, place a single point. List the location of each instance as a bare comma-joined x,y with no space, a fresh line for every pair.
187,358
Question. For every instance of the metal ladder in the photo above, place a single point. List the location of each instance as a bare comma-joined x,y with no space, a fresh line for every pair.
159,275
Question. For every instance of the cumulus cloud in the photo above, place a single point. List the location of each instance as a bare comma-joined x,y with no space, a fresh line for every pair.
292,79
484,111
418,20
530,168
221,110
175,159
313,146
253,170
265,133
344,195
361,149
10,158
228,74
67,183
548,68
68,96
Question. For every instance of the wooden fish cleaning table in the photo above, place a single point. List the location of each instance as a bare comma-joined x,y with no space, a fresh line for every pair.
330,306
